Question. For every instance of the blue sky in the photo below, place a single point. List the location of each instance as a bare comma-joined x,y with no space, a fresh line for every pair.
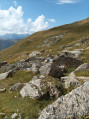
29,16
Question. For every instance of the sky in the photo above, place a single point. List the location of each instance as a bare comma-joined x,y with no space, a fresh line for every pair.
29,16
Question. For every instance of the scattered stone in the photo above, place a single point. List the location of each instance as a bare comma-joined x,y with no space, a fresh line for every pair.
83,67
6,75
14,116
35,53
87,48
73,105
71,81
16,87
42,51
84,40
20,116
66,47
3,90
35,68
77,44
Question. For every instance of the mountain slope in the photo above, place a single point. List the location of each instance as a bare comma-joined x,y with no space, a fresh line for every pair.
73,33
30,81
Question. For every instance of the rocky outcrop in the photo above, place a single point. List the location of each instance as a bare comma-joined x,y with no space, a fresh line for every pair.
52,69
83,67
40,86
52,40
73,105
35,53
75,53
6,75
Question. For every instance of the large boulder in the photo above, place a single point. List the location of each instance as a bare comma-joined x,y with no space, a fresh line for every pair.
71,106
72,81
52,69
67,60
6,75
83,67
38,88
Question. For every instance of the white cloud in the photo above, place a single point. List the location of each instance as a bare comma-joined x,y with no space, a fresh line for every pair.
52,20
66,1
11,21
15,3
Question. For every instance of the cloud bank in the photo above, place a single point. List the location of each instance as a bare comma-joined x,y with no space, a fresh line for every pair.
66,1
12,21
60,2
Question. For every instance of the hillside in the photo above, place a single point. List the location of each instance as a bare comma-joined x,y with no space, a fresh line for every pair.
46,75
73,33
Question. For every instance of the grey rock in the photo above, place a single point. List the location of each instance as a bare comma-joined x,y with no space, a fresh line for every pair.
73,105
38,87
35,68
72,81
83,67
35,53
75,53
16,87
51,69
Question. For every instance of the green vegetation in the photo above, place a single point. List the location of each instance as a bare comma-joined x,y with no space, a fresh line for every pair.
82,73
11,102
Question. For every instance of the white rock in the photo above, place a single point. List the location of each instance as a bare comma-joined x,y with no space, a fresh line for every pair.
83,67
5,75
35,53
73,105
14,115
76,52
71,81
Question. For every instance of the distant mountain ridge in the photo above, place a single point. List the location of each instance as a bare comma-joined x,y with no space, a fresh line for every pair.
8,40
13,36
